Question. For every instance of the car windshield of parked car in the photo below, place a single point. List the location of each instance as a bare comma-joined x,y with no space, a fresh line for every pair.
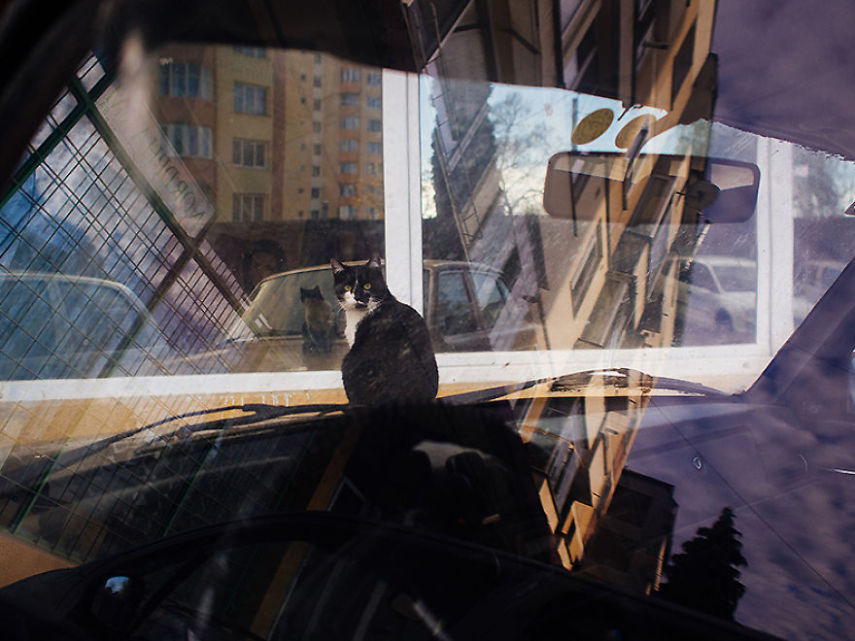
278,304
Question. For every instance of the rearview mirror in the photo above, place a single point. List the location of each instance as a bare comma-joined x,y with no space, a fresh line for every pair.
722,191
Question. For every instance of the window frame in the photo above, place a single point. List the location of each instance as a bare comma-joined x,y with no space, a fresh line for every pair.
404,257
240,90
242,145
404,260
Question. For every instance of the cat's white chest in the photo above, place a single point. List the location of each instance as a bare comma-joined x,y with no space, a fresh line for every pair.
352,318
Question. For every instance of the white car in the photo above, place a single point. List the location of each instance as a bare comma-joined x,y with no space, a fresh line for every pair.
62,326
718,299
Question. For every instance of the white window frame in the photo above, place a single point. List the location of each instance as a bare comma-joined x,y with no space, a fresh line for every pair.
404,260
404,256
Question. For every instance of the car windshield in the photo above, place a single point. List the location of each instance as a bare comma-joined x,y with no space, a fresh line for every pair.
277,306
605,249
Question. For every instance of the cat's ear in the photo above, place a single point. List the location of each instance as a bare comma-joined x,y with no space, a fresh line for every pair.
374,261
337,267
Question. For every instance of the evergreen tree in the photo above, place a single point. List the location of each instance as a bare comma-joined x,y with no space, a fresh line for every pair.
705,575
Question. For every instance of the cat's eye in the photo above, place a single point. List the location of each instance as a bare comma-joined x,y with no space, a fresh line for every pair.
366,286
347,288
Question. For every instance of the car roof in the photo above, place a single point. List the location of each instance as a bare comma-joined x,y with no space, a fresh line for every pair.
429,264
82,280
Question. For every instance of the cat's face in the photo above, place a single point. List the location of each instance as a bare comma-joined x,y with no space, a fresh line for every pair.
359,287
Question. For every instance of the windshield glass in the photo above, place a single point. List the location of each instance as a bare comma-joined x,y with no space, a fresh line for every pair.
567,281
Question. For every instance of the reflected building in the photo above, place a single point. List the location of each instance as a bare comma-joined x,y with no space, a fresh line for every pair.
614,259
583,434
614,254
278,141
632,543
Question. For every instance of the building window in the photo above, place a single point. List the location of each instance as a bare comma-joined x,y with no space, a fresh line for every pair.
373,102
373,148
316,126
351,123
645,22
247,208
375,125
347,212
250,99
252,52
316,149
682,63
300,213
248,153
585,274
371,169
189,141
317,81
373,213
316,214
316,104
582,67
347,189
349,99
185,79
348,144
375,79
316,192
350,75
316,171
347,168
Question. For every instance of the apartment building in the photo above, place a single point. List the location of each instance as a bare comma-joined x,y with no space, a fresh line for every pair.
274,139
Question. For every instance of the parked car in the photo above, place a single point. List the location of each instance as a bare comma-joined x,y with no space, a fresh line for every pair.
61,326
468,307
718,297
810,281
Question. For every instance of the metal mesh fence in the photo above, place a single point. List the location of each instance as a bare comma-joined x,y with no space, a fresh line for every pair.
96,278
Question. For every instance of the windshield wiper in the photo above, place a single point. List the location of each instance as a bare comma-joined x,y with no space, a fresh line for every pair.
580,379
256,413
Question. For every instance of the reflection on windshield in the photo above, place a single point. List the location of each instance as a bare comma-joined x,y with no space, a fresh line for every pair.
595,260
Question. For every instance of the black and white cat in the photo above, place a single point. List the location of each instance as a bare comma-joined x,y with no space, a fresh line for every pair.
391,358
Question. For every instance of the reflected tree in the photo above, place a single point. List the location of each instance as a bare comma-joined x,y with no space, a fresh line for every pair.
522,140
705,576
